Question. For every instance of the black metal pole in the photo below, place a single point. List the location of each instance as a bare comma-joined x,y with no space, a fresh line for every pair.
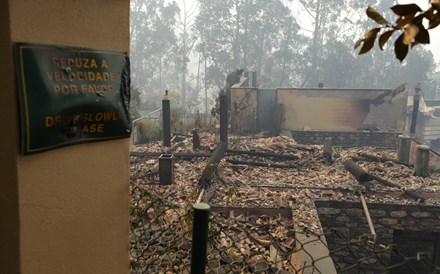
200,238
223,118
166,122
415,112
254,79
196,139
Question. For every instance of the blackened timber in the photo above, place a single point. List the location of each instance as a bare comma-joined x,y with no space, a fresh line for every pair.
207,175
180,155
228,152
209,194
262,154
412,194
223,118
380,159
238,162
361,175
177,145
254,211
196,139
145,154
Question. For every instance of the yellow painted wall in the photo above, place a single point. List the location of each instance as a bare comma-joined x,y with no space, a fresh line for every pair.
73,201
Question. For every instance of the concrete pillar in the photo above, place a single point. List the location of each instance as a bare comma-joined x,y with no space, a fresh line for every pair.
328,148
404,149
422,161
63,210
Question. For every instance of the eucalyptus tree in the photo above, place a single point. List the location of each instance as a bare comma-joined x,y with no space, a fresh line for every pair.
186,41
153,44
250,34
333,25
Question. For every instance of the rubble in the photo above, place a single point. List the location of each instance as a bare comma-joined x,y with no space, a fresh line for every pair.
293,180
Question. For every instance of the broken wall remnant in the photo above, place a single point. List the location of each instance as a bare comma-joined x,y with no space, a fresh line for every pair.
348,138
243,110
343,109
348,219
318,109
427,124
434,156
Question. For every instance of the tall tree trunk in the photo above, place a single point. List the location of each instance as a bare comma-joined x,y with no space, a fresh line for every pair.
198,78
236,42
206,90
312,77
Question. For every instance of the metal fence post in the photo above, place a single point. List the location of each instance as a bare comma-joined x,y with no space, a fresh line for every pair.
415,111
223,118
196,139
200,237
166,121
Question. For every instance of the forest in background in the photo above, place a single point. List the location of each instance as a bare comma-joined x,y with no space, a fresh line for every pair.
188,48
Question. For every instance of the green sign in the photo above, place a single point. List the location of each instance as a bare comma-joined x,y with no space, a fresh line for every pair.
71,95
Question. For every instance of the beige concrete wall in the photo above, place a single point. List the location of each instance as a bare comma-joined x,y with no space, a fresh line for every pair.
334,110
73,201
434,157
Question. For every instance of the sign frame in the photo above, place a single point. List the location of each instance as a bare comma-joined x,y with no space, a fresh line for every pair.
71,95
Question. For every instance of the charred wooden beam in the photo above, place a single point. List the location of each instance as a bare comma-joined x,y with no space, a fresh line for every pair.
209,194
183,155
262,154
410,193
361,175
180,155
210,170
196,139
283,212
249,163
380,159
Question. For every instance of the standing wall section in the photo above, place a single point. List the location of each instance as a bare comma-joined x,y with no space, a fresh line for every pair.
64,210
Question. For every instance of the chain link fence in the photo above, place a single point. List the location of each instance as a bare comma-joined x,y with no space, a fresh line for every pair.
161,231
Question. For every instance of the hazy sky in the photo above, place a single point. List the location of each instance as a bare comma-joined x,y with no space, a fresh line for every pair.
434,46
